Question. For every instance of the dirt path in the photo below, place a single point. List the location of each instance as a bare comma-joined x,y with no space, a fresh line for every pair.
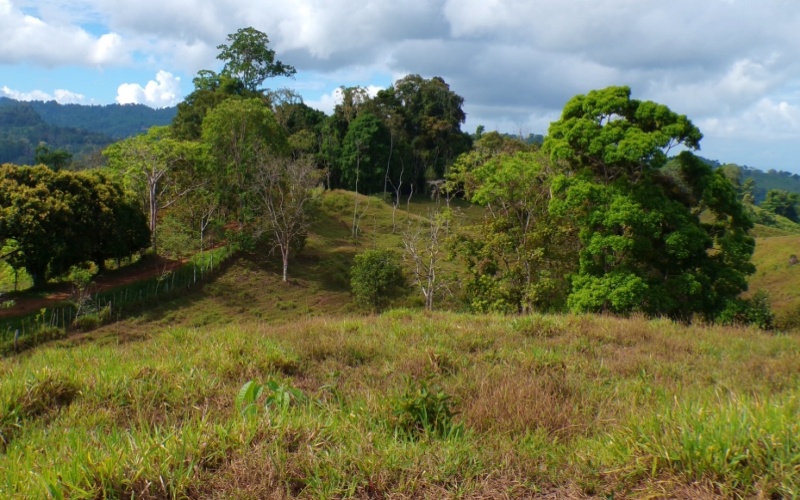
152,266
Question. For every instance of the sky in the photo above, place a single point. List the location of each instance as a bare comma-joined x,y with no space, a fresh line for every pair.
731,66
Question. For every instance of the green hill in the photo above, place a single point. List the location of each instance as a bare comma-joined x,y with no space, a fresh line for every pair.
780,279
115,120
76,128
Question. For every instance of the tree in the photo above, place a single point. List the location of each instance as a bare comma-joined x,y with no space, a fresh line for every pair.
365,152
432,118
51,221
55,159
424,245
283,190
248,58
376,277
150,165
210,90
644,245
782,203
240,132
518,255
32,217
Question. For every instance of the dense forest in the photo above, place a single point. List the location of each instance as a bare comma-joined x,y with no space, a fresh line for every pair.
593,217
77,129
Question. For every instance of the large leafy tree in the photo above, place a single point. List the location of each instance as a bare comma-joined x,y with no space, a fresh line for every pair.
154,165
365,152
53,220
666,243
428,115
247,57
518,255
240,133
783,203
210,89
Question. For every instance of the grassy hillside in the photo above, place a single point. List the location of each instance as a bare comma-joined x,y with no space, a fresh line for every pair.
405,404
776,276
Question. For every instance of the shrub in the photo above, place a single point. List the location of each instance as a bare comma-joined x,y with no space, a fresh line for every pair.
376,277
425,409
751,311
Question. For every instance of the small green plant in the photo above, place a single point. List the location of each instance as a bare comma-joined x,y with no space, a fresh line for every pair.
425,408
751,311
8,304
376,277
280,396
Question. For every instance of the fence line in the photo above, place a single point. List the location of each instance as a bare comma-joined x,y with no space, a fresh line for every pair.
111,304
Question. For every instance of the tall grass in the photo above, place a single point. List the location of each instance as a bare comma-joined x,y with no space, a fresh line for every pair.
409,405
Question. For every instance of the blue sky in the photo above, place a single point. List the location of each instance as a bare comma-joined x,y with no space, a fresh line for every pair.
732,66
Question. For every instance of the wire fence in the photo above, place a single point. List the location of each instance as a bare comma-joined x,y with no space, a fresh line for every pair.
109,305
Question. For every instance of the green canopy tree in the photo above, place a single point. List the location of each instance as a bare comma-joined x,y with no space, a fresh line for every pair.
32,217
644,245
210,89
248,58
154,165
55,220
365,152
241,133
56,159
783,203
432,116
518,255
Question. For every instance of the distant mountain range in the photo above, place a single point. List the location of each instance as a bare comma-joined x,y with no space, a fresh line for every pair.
765,180
79,129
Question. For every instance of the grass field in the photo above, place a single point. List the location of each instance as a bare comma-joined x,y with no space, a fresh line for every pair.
406,404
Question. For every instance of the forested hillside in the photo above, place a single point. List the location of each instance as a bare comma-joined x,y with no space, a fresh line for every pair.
77,129
22,130
115,120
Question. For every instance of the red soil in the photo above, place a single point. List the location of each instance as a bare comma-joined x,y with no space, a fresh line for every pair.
139,271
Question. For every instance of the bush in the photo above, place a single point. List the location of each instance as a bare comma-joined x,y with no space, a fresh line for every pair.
425,409
752,311
376,277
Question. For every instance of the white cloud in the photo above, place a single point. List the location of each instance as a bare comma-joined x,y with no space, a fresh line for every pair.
59,95
164,91
32,40
766,121
327,102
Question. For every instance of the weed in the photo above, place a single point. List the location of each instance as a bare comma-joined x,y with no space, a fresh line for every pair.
280,396
425,409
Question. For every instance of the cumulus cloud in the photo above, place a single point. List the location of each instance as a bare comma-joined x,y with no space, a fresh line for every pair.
59,95
32,40
164,91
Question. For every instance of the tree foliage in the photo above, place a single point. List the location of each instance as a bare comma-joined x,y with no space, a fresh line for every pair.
783,203
248,58
156,167
59,219
376,277
518,255
663,244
